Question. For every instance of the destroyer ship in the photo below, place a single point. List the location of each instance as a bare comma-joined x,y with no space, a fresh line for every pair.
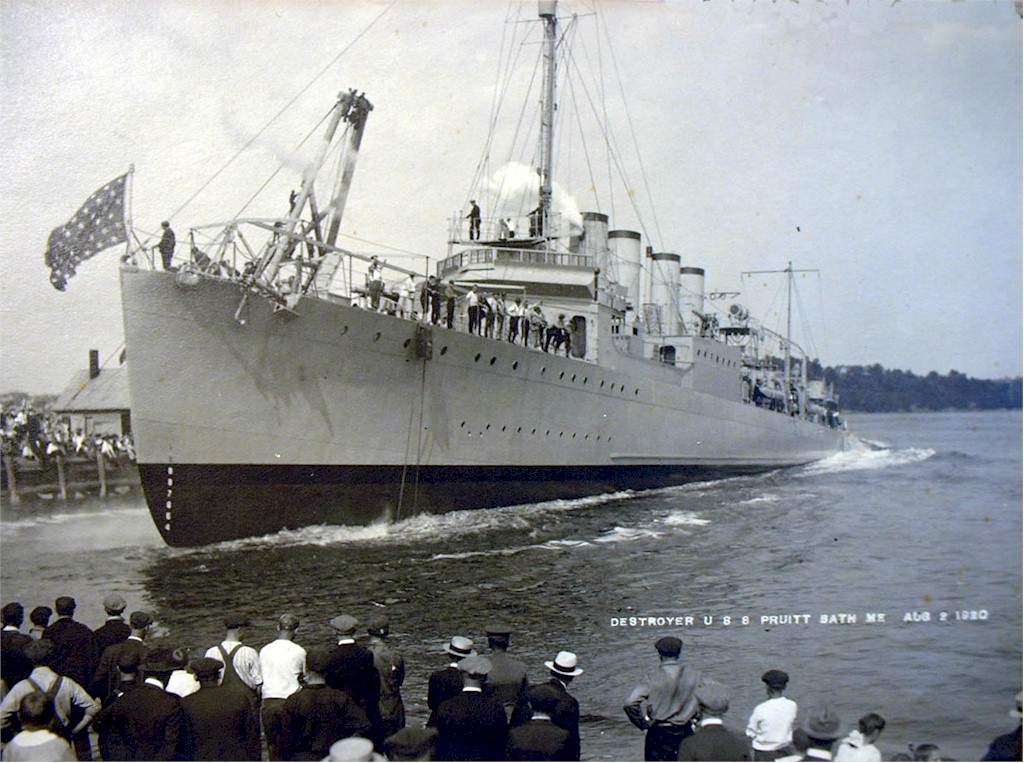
279,380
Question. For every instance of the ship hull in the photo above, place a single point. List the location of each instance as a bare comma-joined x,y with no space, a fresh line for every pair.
248,421
218,502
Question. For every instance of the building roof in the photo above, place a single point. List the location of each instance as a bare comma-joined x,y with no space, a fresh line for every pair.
107,393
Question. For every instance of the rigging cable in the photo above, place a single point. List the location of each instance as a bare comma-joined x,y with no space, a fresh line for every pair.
285,108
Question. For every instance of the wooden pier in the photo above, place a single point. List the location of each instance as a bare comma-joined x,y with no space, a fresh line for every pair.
62,477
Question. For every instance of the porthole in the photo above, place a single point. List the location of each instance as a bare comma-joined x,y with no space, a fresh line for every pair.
636,391
602,384
494,360
376,336
560,434
407,342
519,430
585,378
476,358
462,425
547,433
515,365
444,350
543,369
487,427
574,377
561,375
533,431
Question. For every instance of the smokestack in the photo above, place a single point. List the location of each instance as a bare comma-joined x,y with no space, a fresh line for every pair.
94,363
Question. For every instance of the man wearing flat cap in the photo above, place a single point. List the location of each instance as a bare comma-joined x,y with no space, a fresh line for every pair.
115,629
75,654
770,727
147,721
352,671
221,725
711,740
472,724
106,680
283,663
412,743
317,716
447,682
508,675
390,667
73,705
241,662
664,704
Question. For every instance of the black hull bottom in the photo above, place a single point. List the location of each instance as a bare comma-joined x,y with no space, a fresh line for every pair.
193,505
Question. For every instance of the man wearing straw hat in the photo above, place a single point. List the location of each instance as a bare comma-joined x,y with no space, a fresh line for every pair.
447,682
563,669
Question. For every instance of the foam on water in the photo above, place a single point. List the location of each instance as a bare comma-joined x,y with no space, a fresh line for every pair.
417,528
67,517
685,519
764,498
626,534
864,455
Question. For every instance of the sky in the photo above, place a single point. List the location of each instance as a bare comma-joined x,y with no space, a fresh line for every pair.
876,145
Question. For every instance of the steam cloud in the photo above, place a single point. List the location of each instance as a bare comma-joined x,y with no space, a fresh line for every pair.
516,188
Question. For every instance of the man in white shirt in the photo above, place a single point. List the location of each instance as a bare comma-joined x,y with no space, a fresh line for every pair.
860,744
282,662
771,724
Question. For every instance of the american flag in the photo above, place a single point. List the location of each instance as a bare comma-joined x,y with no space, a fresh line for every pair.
98,225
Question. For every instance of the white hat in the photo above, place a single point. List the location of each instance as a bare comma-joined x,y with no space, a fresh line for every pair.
353,749
565,664
460,647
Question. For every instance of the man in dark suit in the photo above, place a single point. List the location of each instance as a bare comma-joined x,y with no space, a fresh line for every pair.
540,738
564,668
351,670
106,680
115,629
317,716
507,678
75,654
447,683
712,741
14,664
149,723
472,725
220,724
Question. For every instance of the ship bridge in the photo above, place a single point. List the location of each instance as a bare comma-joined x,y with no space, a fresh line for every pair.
544,272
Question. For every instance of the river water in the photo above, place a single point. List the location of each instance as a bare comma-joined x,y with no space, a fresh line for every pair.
886,579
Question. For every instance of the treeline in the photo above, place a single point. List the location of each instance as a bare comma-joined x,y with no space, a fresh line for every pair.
873,389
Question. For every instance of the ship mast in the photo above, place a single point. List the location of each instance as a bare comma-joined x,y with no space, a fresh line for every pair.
546,11
789,273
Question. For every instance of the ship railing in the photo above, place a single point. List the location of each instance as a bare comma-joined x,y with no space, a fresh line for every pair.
237,250
496,255
509,229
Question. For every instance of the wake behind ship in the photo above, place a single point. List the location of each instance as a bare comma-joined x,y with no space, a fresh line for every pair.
278,380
